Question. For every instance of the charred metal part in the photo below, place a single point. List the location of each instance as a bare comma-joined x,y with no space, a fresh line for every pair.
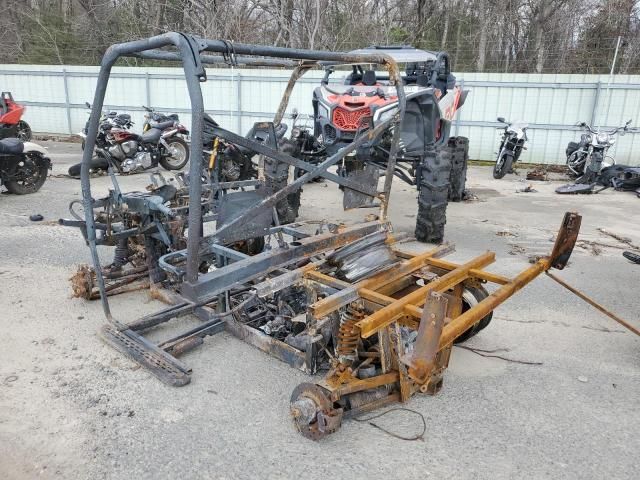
411,355
349,335
385,320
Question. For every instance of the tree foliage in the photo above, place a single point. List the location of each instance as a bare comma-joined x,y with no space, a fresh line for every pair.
545,36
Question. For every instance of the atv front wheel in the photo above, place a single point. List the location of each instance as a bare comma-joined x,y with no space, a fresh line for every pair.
433,191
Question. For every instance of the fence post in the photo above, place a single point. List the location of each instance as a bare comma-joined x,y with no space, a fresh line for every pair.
596,99
239,103
67,104
147,86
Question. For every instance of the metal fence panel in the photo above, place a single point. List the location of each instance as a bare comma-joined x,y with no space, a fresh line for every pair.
552,104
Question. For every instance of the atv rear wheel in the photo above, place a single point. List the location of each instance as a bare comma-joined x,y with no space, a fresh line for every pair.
433,192
277,177
459,160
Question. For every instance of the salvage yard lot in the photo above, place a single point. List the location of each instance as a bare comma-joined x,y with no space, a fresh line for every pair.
71,407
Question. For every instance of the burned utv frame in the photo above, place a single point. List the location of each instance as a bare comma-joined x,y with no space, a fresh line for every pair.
240,215
385,318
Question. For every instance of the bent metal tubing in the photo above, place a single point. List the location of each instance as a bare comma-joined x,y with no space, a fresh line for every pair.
188,51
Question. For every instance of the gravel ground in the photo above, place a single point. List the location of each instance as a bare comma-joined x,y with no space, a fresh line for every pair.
71,407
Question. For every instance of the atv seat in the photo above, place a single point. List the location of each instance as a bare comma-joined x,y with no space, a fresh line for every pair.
369,78
11,146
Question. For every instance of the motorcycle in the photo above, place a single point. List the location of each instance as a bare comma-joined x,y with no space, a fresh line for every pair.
161,143
11,123
585,159
153,116
23,166
108,120
511,146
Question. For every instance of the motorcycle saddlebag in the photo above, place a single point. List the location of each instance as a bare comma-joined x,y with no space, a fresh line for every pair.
572,147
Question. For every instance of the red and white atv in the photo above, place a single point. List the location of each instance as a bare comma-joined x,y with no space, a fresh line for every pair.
11,123
429,158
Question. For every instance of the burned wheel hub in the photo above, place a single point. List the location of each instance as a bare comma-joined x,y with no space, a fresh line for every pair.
313,412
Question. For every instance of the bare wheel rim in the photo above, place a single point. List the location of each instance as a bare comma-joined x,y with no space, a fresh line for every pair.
177,153
29,173
24,131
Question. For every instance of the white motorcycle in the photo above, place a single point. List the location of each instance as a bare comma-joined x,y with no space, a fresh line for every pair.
585,159
511,146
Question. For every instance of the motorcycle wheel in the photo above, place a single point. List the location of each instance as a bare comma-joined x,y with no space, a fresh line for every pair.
97,163
30,174
471,296
502,166
24,131
180,156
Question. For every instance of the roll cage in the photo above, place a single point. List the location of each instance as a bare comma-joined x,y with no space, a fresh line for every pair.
194,53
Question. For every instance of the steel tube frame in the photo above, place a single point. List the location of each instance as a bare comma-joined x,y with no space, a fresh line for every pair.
188,51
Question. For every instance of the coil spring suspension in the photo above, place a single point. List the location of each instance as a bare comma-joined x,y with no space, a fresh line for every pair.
121,256
349,334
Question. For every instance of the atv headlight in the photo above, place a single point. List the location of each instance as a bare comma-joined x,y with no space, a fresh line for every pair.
603,138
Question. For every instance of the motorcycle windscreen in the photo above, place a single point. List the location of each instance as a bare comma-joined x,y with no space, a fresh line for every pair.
421,119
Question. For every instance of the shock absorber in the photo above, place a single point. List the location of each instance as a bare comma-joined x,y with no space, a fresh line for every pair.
349,334
121,255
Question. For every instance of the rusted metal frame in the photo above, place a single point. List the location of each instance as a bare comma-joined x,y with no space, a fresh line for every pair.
194,74
350,294
280,282
296,74
237,184
447,265
562,248
295,53
166,56
270,345
377,320
473,273
469,318
363,384
270,201
288,159
594,304
371,406
421,361
240,272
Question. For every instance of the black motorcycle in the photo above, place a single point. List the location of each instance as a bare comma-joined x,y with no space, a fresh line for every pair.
162,142
511,146
23,166
108,120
